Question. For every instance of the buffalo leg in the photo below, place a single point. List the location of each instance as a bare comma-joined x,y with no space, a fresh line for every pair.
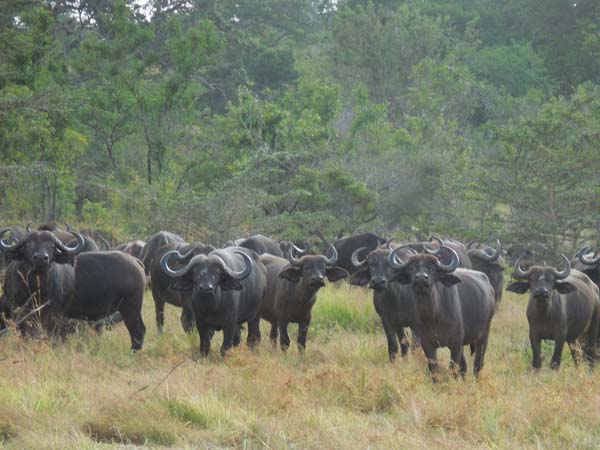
457,357
253,338
284,337
559,344
392,341
229,332
574,352
432,364
135,326
187,319
237,337
536,348
159,307
404,342
303,333
480,349
273,336
205,333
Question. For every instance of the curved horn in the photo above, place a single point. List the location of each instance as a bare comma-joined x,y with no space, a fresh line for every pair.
395,262
388,243
494,256
244,273
28,227
435,251
587,262
290,256
561,275
473,242
334,255
519,273
354,257
71,250
3,244
300,251
452,265
164,264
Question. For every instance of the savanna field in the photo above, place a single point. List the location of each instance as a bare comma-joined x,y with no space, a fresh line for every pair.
92,393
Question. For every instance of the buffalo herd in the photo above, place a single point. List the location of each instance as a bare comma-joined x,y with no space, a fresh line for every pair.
433,294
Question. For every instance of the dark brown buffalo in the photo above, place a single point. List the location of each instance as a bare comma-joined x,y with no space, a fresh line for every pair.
260,244
563,307
292,286
161,283
393,302
133,248
346,246
225,287
489,261
588,261
453,306
154,243
48,274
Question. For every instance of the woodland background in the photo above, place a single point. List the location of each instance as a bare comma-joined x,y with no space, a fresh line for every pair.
214,119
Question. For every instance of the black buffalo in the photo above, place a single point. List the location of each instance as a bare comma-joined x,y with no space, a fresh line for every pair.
154,243
88,286
225,287
133,248
346,246
453,306
489,261
160,283
393,302
261,245
588,262
563,307
292,286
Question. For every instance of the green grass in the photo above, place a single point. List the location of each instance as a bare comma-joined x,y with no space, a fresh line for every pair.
91,393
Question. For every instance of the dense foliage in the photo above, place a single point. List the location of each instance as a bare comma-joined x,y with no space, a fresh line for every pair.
219,118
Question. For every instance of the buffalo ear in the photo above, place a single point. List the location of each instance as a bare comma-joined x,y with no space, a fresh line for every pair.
564,287
401,277
520,287
63,258
335,273
229,283
291,273
360,278
182,284
447,279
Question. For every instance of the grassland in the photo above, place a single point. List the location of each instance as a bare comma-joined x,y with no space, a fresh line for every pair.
91,393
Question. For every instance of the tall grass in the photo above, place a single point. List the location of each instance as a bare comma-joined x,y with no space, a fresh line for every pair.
91,393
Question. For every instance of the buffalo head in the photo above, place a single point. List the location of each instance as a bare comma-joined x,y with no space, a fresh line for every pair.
312,269
374,270
39,249
204,274
422,270
541,280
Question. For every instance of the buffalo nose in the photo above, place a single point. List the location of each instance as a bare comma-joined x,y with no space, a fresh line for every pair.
422,277
41,258
378,283
206,287
542,291
317,279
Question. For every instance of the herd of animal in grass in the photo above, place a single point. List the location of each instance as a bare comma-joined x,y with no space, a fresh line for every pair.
446,292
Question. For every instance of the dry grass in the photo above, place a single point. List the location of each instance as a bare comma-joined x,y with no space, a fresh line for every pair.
91,393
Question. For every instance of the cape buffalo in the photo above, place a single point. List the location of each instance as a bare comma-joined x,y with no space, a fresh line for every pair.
261,245
45,273
563,306
393,302
160,283
133,248
226,288
489,261
292,286
588,262
155,242
453,307
345,247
